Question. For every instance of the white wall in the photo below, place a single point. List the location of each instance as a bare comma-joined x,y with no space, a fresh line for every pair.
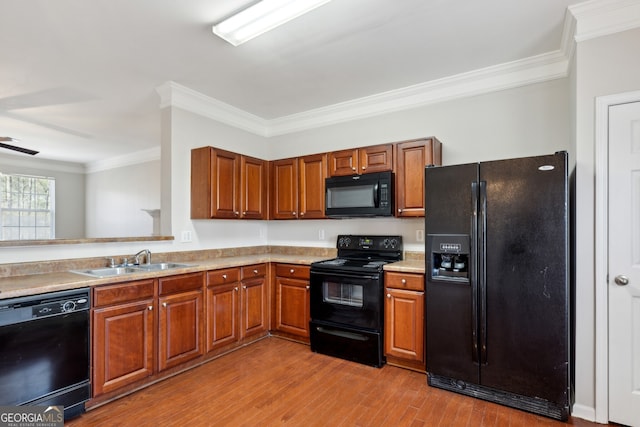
604,66
115,199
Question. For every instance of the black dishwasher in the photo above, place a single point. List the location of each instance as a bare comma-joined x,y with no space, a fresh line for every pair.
44,350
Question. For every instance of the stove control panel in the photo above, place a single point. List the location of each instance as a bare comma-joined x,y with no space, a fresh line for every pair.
374,243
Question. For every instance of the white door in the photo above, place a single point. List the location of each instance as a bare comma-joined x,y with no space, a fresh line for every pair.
624,264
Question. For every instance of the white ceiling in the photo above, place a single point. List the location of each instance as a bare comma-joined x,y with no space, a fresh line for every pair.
78,78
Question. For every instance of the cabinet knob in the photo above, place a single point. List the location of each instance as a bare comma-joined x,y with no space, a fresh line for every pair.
255,271
353,168
236,213
364,167
164,304
404,281
150,308
244,286
301,213
292,271
399,210
388,295
235,289
224,276
293,213
307,287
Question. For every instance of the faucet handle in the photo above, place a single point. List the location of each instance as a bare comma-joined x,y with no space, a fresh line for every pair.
111,261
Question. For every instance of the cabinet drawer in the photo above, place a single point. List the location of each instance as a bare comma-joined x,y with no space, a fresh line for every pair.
180,283
122,292
220,277
413,282
292,270
256,270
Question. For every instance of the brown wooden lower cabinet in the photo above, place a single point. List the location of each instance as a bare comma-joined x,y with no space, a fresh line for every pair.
147,329
126,318
237,305
123,326
404,320
291,312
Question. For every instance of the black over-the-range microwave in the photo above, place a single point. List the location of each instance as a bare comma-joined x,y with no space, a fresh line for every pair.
359,195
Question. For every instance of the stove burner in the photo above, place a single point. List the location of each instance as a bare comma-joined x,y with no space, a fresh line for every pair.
336,261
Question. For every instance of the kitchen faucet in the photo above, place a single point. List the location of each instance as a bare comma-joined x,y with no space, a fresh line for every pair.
147,257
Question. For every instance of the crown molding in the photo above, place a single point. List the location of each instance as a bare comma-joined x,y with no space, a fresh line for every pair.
582,21
597,18
128,159
504,76
175,95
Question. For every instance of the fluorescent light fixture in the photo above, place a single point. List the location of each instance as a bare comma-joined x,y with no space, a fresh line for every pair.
262,17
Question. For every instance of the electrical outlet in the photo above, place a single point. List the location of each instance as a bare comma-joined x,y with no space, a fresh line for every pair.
420,235
321,234
186,236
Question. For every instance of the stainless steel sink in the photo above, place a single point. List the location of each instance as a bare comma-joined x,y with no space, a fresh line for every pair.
161,266
107,271
121,271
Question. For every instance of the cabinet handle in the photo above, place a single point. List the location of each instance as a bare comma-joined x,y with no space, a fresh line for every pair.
164,304
404,281
150,308
307,287
292,271
224,276
388,295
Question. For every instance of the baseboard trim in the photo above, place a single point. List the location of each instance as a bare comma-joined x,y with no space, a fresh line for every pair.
585,412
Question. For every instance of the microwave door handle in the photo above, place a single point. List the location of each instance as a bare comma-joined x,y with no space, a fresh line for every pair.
376,194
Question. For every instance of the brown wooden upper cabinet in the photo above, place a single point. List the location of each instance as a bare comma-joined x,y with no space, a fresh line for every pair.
297,187
411,157
227,185
377,158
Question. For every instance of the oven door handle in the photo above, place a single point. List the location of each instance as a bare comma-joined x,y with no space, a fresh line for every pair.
346,275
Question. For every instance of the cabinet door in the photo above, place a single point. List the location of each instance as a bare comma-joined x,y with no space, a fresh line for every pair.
312,172
225,199
253,179
404,324
292,306
377,158
122,345
215,183
284,197
222,315
254,307
180,331
411,159
344,162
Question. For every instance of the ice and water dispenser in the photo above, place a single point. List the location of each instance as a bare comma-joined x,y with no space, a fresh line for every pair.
449,256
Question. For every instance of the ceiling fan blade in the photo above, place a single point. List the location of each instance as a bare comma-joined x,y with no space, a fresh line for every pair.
15,147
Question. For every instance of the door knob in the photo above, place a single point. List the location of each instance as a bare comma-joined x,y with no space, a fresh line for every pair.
621,280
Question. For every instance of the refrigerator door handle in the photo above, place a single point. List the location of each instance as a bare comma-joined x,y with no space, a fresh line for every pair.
482,276
473,270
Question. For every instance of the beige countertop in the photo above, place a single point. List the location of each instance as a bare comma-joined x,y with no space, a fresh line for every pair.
32,284
406,266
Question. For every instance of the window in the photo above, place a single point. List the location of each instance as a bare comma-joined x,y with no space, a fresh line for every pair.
27,207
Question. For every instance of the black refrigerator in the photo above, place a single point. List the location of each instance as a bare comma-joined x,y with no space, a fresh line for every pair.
498,311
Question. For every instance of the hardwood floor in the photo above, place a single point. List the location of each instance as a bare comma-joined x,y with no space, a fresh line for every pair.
275,381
